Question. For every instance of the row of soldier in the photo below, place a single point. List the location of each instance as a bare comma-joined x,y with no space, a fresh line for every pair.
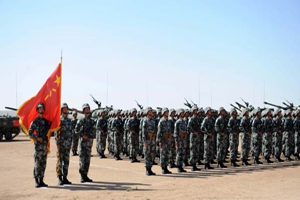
179,138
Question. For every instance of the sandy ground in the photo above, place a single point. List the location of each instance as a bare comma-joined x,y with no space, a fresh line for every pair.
123,180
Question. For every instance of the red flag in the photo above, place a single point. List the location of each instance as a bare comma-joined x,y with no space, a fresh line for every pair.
50,95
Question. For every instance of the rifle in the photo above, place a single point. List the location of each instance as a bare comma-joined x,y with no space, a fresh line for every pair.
98,103
274,105
193,103
187,104
246,103
236,107
74,109
139,105
240,105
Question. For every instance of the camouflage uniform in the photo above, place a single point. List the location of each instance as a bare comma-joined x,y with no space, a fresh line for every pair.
297,134
141,141
201,137
164,140
125,135
75,138
180,134
287,140
257,129
277,135
86,128
172,145
64,140
267,136
245,128
149,137
194,129
187,139
110,139
101,135
41,126
133,131
221,130
233,129
117,128
207,127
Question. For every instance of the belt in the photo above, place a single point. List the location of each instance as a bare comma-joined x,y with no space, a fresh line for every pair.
181,135
151,135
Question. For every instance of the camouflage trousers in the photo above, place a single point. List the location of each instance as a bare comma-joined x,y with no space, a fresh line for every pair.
233,144
172,158
214,145
200,146
75,141
267,145
85,149
40,159
125,142
165,153
208,148
141,143
256,144
221,147
287,143
110,141
297,143
117,143
64,157
187,147
149,153
180,152
246,145
133,144
100,142
277,144
194,149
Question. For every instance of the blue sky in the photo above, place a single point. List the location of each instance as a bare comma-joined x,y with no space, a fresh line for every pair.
157,52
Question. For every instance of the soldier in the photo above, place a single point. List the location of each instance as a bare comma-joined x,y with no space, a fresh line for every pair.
101,133
267,135
257,129
187,139
245,128
277,135
287,135
201,137
194,130
133,131
220,128
63,142
86,127
233,129
172,158
141,142
180,134
75,138
117,128
41,126
110,139
149,135
207,127
297,134
125,135
164,140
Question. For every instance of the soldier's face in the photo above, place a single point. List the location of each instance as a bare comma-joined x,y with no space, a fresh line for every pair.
182,115
150,113
279,114
258,114
223,113
41,110
134,114
234,114
75,116
166,114
65,110
86,111
172,114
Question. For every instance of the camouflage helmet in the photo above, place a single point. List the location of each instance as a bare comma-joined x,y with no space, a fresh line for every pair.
287,112
40,104
232,110
154,111
133,110
159,110
201,110
172,110
86,105
180,110
101,111
186,111
147,110
74,113
207,109
277,111
64,105
296,112
164,110
256,111
193,108
221,109
244,111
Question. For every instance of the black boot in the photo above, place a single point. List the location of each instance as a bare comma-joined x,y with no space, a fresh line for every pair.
134,160
180,169
207,166
37,184
278,159
288,159
172,165
245,163
268,161
212,162
102,156
42,184
118,158
257,162
297,157
166,169
66,181
60,181
200,163
75,153
154,163
221,165
85,178
163,170
195,168
143,156
233,163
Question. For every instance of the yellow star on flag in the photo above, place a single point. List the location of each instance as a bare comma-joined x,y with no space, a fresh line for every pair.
57,80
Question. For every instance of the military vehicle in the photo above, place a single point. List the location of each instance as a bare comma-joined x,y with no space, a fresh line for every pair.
9,126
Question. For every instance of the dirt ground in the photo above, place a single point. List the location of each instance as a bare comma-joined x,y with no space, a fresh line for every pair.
123,180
